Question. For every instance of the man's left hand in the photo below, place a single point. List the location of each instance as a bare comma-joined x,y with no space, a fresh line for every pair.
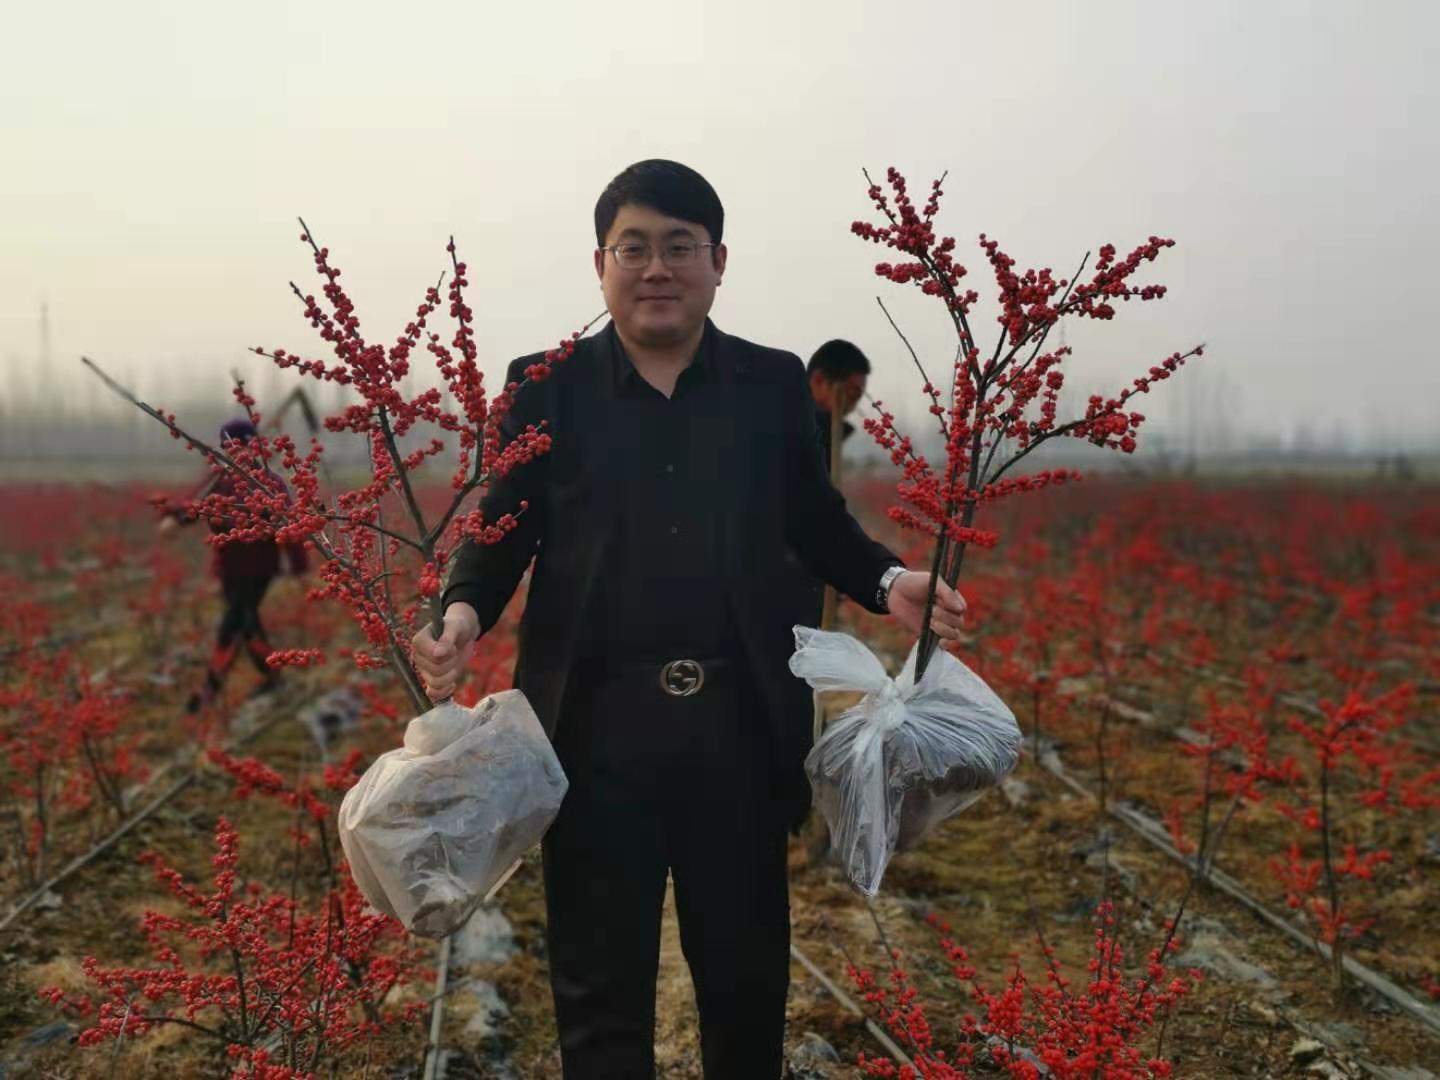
907,604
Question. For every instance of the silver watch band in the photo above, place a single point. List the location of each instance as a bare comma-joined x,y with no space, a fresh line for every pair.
887,582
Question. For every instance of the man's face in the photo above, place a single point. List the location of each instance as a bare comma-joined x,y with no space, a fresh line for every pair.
658,304
842,394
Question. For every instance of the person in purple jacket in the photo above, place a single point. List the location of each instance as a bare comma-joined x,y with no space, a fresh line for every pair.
245,569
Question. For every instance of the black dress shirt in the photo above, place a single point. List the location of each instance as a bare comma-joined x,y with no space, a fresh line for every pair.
662,595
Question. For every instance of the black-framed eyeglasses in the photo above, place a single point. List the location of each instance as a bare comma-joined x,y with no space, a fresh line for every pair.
633,255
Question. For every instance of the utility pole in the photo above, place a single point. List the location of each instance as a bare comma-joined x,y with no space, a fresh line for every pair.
45,356
39,400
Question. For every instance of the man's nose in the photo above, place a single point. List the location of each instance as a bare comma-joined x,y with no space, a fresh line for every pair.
656,267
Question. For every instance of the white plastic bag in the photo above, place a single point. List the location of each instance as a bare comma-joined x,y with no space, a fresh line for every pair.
433,826
906,757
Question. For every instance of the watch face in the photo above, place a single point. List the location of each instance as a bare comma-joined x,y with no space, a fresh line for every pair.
887,582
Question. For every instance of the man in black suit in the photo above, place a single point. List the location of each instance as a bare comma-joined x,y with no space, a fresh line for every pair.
655,639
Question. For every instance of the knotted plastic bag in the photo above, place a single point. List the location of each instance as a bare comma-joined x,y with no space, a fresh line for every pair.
907,756
432,827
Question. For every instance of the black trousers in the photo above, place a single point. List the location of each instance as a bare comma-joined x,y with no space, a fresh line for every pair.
240,628
241,618
677,784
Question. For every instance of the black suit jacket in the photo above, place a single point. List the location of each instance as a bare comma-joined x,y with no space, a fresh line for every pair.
768,476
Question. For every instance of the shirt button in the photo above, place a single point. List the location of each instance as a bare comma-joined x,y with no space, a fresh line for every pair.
674,530
669,468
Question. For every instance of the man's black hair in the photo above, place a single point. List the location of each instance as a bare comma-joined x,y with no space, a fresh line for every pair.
838,359
673,189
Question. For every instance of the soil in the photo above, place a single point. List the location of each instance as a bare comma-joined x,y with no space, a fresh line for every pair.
1040,856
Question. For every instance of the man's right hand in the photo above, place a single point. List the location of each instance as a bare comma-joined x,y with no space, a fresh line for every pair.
442,663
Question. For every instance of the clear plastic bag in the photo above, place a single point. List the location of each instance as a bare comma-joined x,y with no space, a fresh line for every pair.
432,827
906,757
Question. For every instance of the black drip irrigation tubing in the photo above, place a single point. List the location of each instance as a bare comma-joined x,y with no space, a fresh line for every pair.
434,1048
1428,1016
1154,835
280,710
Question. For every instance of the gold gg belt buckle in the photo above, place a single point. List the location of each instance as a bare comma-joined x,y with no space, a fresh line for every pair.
681,678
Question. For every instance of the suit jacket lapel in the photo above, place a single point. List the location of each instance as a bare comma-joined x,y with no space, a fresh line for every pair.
734,448
592,459
600,378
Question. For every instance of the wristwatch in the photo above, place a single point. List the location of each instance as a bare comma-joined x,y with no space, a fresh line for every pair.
887,582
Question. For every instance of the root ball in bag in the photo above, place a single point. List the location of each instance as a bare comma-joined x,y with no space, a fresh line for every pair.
906,757
431,827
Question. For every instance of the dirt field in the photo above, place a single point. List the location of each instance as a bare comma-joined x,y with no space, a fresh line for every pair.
1127,624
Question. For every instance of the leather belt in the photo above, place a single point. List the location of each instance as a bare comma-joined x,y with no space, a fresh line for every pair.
681,677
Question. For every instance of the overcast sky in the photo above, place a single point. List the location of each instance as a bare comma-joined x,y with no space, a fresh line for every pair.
155,156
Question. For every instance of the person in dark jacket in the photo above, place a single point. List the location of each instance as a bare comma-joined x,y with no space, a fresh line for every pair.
245,569
657,631
838,371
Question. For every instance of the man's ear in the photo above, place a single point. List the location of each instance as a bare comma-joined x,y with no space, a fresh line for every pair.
820,388
722,254
600,263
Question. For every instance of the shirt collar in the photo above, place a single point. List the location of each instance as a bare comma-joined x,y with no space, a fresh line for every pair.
624,367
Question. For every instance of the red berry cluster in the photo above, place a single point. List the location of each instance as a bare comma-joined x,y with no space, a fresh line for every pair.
999,409
384,549
1030,1030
